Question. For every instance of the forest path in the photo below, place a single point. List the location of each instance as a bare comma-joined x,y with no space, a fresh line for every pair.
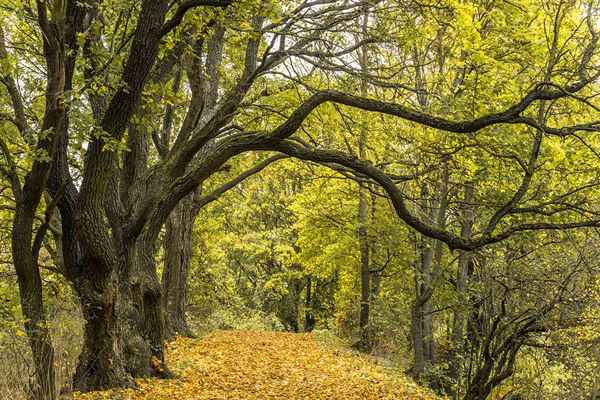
268,365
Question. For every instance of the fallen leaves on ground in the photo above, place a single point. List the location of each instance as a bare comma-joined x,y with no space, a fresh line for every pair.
267,365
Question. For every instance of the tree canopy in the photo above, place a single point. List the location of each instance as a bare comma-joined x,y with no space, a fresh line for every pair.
419,179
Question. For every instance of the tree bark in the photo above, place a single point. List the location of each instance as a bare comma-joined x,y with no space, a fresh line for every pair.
25,245
178,247
417,340
421,323
148,301
124,331
365,342
309,317
203,77
465,267
428,270
102,362
32,305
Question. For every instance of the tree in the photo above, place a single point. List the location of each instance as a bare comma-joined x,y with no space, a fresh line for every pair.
26,241
113,215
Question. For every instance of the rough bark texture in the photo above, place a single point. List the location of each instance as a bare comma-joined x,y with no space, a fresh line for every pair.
203,77
148,330
101,362
118,218
116,280
124,330
178,246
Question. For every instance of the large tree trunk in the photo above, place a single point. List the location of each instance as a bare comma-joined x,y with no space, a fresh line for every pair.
120,293
102,361
115,279
26,246
147,297
178,246
124,331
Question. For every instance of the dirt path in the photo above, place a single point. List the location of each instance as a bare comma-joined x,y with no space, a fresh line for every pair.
267,365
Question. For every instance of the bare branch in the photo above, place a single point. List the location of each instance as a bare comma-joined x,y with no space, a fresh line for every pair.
215,194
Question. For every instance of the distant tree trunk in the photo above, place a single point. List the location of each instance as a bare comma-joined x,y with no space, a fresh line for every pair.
365,273
421,324
428,343
178,246
363,219
287,307
465,268
287,310
418,340
427,271
376,274
309,317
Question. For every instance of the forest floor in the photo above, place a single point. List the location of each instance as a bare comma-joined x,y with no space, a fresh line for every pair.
268,365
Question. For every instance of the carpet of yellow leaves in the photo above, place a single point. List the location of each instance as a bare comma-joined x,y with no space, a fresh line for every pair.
267,365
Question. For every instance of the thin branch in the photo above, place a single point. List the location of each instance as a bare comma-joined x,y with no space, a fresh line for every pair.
215,194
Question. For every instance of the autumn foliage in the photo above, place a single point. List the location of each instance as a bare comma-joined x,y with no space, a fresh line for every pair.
268,365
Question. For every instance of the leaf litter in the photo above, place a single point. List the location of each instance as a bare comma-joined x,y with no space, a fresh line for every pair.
251,365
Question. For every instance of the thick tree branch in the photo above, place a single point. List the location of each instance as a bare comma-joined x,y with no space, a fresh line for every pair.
511,115
41,232
326,157
523,187
185,7
11,172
